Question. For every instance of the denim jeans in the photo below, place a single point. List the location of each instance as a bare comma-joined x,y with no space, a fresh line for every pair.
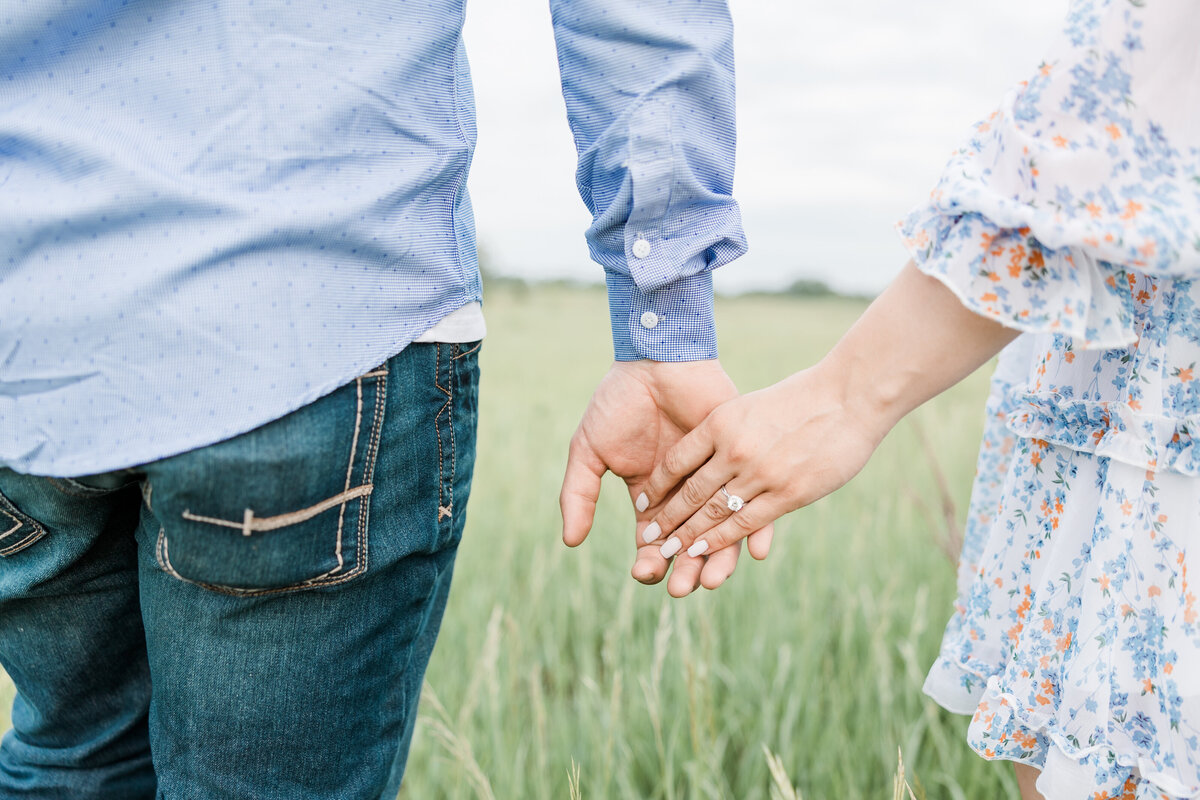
251,619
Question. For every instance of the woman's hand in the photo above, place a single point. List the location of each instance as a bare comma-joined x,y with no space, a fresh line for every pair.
789,445
777,449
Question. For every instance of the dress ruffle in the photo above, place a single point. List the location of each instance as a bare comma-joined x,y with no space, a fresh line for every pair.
1114,430
1008,275
1076,646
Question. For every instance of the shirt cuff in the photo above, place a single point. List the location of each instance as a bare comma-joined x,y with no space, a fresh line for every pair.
674,323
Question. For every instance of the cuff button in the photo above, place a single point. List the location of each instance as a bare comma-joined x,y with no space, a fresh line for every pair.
649,319
641,248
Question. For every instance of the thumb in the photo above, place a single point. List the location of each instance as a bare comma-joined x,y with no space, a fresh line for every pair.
580,490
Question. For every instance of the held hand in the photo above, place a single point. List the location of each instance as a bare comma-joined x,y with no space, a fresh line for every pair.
638,411
777,449
791,444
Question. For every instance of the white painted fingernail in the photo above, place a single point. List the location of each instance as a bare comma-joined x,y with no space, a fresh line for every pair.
652,532
670,547
698,548
642,502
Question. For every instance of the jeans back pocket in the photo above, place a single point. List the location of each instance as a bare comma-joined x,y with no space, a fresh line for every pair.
17,529
281,508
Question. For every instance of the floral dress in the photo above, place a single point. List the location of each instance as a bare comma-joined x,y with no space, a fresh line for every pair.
1073,214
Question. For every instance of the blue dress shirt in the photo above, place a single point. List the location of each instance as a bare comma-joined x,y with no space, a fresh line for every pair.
213,213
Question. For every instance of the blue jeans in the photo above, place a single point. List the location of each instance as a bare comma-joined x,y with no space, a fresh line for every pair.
251,619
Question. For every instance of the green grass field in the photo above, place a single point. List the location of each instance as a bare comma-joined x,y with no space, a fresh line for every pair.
558,676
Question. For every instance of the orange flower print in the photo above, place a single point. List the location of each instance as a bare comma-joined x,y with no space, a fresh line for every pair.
1025,740
1037,260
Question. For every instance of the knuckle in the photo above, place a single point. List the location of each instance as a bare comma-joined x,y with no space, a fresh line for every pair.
739,452
692,494
744,523
715,511
672,463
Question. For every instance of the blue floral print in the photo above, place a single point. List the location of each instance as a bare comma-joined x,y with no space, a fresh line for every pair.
1072,213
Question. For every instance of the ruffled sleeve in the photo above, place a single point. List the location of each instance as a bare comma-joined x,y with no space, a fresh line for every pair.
1086,178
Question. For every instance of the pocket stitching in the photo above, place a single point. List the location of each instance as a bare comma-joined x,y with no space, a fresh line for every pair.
21,520
20,523
364,552
468,352
22,544
251,523
163,556
349,474
443,509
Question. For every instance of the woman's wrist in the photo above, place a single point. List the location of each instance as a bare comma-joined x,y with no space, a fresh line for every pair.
915,341
874,402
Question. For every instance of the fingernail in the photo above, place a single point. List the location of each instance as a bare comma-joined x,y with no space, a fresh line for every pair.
652,532
670,547
642,503
698,548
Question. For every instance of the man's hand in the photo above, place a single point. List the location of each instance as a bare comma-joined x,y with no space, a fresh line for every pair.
639,410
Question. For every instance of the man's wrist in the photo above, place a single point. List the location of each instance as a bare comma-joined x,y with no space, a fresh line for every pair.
674,323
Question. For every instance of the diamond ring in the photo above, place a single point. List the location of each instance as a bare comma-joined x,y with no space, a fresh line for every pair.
734,502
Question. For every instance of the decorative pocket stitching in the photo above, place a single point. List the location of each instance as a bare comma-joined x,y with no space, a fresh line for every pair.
250,524
445,509
20,520
468,352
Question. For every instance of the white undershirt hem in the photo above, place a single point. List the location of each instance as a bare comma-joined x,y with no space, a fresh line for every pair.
459,326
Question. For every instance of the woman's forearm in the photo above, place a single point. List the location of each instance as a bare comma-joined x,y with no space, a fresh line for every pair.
792,443
915,341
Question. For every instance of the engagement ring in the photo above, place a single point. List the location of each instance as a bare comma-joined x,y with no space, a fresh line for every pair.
734,502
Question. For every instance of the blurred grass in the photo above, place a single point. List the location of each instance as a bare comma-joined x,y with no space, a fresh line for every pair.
554,663
557,676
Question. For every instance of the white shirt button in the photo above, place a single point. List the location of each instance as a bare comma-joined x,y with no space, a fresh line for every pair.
649,319
641,249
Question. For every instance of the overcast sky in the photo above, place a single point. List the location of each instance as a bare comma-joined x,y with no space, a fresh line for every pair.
847,112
